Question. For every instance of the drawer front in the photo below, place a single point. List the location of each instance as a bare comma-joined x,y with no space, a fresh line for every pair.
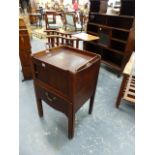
53,100
55,78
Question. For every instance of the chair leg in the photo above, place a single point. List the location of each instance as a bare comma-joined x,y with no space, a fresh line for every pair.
40,108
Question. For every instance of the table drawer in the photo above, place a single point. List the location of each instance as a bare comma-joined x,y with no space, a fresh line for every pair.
53,100
54,77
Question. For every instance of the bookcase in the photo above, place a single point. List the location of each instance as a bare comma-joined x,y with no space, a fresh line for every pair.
116,33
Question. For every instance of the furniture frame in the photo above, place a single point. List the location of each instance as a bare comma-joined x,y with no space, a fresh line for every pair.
24,49
70,21
65,93
85,37
127,89
36,18
57,38
116,33
53,14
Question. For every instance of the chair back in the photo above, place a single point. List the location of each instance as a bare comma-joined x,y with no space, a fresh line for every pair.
56,38
70,21
50,18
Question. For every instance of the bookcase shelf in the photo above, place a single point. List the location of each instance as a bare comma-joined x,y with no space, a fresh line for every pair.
111,65
119,40
109,27
93,33
122,16
106,47
116,33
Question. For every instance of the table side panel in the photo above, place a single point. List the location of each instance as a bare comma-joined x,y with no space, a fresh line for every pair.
85,84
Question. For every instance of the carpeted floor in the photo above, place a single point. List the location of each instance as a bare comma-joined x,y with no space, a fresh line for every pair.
108,131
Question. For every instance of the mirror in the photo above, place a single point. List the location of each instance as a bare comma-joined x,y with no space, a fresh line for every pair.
114,7
111,7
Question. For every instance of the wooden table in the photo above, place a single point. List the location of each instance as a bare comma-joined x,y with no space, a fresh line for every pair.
65,78
85,36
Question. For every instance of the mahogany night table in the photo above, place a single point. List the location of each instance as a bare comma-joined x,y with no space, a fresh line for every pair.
65,78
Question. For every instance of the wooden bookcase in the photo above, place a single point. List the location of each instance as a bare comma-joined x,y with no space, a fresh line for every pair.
116,33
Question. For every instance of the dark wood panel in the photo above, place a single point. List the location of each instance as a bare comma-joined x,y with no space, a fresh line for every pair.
24,50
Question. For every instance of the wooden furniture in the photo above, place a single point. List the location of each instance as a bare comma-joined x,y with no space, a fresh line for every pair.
61,31
35,18
116,35
85,37
24,49
50,20
127,89
65,78
71,22
61,37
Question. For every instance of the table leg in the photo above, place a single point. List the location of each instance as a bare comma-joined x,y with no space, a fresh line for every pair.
40,108
77,43
39,103
91,103
71,121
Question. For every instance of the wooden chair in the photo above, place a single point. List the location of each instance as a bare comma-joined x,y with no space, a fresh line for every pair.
57,38
50,20
127,89
71,22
